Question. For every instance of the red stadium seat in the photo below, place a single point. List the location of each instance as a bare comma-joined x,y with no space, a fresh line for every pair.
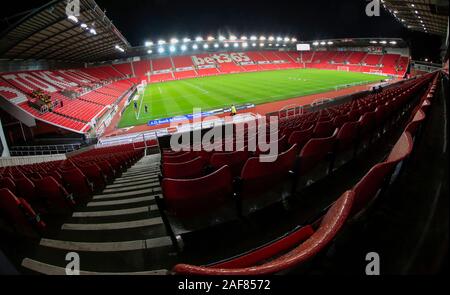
8,183
235,160
56,197
19,214
188,170
328,229
187,198
300,138
188,156
77,183
95,175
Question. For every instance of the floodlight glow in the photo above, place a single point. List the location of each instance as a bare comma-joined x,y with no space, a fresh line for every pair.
216,45
161,50
416,12
373,42
195,46
279,39
222,38
206,46
261,44
383,42
226,45
393,42
254,44
150,51
93,31
172,48
277,45
233,38
211,38
253,38
244,38
119,48
186,40
316,43
323,43
183,47
199,39
262,38
148,43
330,43
73,18
161,42
245,45
294,39
270,44
236,45
84,26
174,41
271,38
287,39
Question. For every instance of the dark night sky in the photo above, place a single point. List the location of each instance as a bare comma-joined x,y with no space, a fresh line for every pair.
141,20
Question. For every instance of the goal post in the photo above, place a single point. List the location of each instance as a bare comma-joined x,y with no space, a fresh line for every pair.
343,68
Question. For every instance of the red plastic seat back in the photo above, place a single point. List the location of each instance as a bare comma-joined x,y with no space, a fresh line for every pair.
300,138
8,183
235,160
314,152
179,159
77,183
26,189
191,169
347,135
324,129
190,197
54,193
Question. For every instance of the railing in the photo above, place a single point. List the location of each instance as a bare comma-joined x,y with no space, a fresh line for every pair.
29,160
42,150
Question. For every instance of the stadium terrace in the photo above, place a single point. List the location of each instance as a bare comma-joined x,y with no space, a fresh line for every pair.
130,149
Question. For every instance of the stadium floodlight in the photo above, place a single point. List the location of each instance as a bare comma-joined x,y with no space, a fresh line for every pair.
261,44
262,38
393,42
211,38
270,44
287,39
226,45
254,44
279,39
206,46
172,49
199,39
383,42
174,41
236,45
73,18
245,45
161,42
233,38
119,48
222,38
294,39
277,45
416,12
243,38
150,51
148,43
161,50
186,40
271,38
216,45
373,42
183,47
323,43
330,43
195,46
253,38
316,43
93,31
84,26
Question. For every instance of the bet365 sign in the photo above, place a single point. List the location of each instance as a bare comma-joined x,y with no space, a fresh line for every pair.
220,58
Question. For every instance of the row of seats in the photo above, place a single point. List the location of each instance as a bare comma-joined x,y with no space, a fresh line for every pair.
31,193
306,242
310,147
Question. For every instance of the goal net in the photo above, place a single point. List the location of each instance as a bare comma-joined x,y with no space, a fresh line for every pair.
343,68
141,87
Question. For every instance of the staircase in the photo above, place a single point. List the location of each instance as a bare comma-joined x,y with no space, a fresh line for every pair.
119,232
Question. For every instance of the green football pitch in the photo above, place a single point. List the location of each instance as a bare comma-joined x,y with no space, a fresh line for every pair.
176,98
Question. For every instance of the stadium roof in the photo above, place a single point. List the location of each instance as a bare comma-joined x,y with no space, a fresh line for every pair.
47,33
429,16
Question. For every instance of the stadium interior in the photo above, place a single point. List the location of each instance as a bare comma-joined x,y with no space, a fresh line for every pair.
103,155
